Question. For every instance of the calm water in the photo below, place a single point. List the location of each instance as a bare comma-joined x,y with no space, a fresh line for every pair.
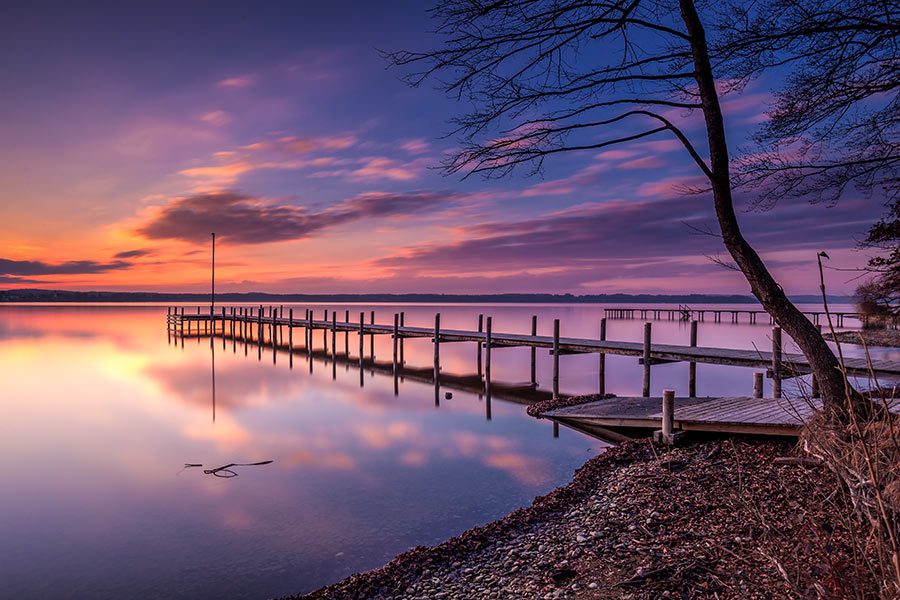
101,412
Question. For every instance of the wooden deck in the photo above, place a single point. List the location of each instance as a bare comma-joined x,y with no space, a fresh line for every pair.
737,414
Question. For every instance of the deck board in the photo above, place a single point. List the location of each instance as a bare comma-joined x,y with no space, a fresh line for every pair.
740,414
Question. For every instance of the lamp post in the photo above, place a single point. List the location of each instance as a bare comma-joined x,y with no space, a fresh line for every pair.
212,292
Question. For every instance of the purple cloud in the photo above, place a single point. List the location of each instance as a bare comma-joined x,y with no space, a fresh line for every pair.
134,253
248,220
74,267
628,235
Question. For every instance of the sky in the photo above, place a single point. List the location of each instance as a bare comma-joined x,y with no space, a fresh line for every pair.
131,131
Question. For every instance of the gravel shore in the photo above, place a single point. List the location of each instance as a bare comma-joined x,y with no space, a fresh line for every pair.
718,519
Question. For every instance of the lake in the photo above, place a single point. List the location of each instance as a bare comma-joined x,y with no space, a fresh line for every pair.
103,411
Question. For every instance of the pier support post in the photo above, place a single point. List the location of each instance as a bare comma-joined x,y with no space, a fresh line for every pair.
646,387
478,357
668,413
396,344
396,340
402,324
372,337
362,321
776,362
692,368
334,337
534,351
757,385
667,435
487,369
437,346
307,334
347,333
555,359
602,360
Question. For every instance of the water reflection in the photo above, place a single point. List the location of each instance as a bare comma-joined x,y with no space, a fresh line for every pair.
359,474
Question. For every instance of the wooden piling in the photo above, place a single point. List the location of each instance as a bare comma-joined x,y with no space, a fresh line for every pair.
533,351
396,340
478,354
555,359
437,346
758,385
488,342
602,359
307,335
668,414
646,386
692,367
372,337
402,323
362,323
333,336
776,362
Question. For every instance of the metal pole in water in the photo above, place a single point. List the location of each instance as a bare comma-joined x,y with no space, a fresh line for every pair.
212,288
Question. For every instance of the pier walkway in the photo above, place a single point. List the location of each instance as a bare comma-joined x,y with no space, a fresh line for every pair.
605,418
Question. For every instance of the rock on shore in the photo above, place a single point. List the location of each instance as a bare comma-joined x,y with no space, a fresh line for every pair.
717,519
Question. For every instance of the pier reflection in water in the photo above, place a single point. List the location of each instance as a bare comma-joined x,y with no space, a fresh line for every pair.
97,397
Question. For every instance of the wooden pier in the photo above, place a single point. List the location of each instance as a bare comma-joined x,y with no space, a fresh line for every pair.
778,364
265,327
686,313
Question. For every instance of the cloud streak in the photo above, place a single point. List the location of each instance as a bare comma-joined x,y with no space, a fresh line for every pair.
244,219
31,268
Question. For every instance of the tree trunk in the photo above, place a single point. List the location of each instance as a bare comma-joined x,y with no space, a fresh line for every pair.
772,297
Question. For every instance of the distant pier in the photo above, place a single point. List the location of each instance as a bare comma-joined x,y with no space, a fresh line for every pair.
686,313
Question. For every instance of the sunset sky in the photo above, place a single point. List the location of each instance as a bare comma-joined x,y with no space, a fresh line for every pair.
130,131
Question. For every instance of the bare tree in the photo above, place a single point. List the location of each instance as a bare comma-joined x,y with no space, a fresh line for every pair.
546,77
835,123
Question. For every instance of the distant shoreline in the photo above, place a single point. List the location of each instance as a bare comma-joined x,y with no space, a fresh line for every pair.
64,296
